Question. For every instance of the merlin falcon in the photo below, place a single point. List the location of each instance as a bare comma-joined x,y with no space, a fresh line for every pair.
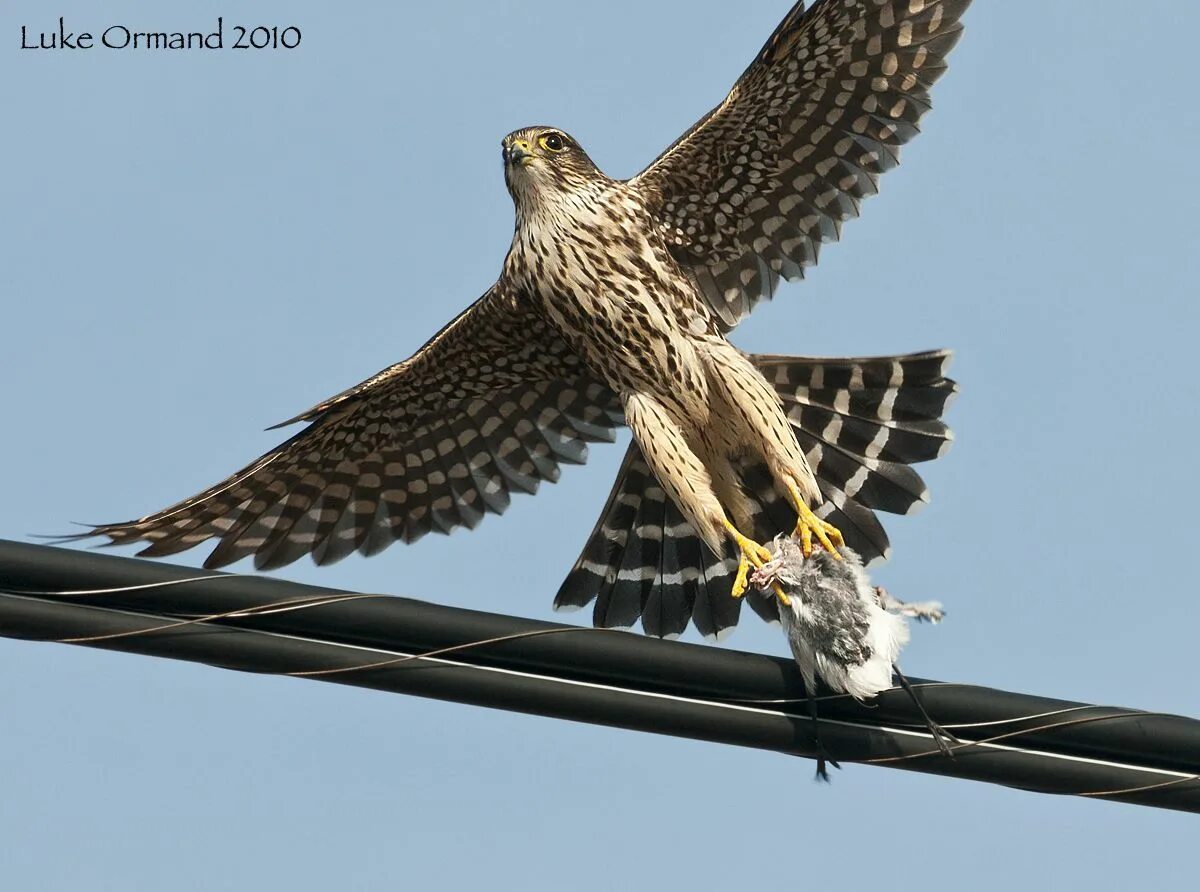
612,307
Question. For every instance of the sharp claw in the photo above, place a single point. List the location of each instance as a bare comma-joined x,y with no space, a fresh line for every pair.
752,555
823,537
809,525
740,583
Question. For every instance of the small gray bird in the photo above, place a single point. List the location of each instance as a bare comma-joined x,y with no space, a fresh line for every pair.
613,307
842,629
835,621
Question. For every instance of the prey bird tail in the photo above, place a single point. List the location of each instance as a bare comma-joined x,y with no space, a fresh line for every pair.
860,421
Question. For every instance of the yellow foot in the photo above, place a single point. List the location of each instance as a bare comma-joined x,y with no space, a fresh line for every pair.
809,526
752,554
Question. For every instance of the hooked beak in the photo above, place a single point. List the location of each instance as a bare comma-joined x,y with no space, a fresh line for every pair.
518,153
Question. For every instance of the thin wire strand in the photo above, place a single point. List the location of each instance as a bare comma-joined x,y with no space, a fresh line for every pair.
265,609
1143,789
83,592
441,651
966,744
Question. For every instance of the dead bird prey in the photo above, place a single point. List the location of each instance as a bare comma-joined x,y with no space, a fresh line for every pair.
842,629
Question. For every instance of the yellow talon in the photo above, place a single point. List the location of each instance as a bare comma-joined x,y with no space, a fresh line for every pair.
809,525
740,583
751,554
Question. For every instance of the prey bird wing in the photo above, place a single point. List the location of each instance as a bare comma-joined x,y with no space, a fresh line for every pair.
748,195
491,404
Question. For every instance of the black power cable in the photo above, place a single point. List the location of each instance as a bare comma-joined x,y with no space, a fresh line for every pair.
259,624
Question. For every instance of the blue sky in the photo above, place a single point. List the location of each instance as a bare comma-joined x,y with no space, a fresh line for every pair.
199,245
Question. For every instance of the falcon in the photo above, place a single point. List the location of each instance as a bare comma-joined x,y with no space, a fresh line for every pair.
613,308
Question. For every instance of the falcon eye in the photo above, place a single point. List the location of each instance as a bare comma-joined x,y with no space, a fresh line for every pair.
552,142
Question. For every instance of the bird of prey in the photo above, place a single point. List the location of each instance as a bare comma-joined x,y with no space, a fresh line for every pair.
613,307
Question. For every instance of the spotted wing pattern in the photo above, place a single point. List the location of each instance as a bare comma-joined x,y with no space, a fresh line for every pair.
490,405
861,422
753,189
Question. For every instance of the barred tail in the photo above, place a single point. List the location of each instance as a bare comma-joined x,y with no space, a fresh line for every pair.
861,423
643,560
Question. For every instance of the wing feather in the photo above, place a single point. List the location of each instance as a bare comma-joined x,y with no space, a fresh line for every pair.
749,193
491,404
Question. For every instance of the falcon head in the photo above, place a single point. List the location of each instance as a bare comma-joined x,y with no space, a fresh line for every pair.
544,162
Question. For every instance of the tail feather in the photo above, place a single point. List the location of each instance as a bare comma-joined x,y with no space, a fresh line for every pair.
911,441
708,584
855,373
716,611
878,404
671,597
859,526
597,565
884,485
620,604
644,560
861,422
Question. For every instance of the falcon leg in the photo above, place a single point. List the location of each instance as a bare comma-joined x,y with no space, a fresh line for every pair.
685,479
752,555
809,526
767,432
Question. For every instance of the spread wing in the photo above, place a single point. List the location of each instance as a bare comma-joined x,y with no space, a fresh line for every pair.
753,189
489,406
